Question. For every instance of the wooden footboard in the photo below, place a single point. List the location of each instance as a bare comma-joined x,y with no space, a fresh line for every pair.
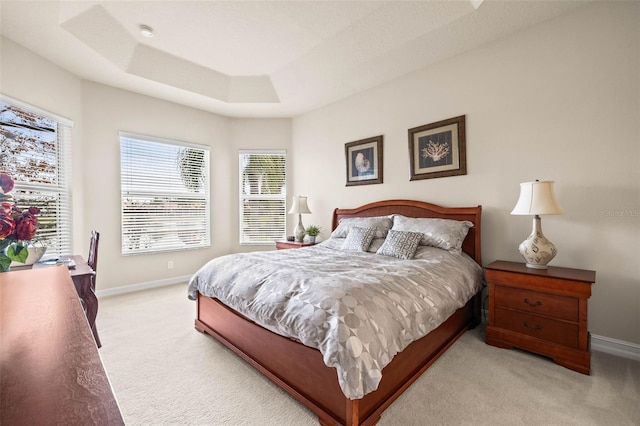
301,372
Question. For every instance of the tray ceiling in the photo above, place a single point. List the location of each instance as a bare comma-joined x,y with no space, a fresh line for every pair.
260,58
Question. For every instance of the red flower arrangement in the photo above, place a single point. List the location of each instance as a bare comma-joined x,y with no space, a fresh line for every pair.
17,227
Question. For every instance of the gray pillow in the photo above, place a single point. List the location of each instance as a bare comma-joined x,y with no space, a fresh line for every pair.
446,234
400,244
381,225
359,239
375,245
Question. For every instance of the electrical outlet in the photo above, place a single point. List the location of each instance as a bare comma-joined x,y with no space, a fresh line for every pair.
170,264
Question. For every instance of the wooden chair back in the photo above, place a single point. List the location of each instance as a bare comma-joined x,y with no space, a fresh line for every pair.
92,259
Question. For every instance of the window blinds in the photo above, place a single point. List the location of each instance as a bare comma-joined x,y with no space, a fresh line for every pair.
165,195
262,196
36,153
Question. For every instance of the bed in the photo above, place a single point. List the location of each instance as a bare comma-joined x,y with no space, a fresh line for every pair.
303,370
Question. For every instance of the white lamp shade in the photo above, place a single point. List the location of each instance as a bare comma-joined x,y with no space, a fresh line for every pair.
299,205
537,198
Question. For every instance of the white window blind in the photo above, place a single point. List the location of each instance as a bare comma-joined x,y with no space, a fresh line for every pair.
165,195
35,150
263,196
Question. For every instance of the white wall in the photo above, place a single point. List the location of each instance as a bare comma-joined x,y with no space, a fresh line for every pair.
99,113
29,78
255,133
106,111
559,101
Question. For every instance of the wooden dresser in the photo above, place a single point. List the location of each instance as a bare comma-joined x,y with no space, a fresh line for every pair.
541,310
50,369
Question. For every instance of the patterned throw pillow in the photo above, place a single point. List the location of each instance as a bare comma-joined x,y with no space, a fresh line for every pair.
380,224
446,234
359,239
400,244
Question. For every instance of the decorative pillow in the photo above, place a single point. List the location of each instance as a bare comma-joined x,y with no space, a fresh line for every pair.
446,234
359,239
381,225
400,244
375,245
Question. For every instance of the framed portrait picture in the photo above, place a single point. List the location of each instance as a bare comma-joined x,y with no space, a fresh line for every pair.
364,161
438,149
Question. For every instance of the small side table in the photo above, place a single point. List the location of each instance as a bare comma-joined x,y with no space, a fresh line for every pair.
541,310
282,245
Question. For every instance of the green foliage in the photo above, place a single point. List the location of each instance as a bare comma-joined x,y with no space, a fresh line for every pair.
313,230
191,165
264,174
12,251
18,252
4,262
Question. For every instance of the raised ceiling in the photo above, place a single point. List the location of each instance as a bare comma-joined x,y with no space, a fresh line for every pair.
260,58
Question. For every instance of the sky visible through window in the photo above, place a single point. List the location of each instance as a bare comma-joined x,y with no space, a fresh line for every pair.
143,161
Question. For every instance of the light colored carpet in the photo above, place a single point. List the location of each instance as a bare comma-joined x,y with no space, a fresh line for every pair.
164,372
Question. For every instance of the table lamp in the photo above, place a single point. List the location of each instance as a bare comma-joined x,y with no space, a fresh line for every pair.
299,207
537,198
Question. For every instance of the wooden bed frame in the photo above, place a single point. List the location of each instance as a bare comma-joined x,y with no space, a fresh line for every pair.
300,370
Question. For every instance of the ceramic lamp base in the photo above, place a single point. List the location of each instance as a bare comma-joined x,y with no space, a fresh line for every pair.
299,230
537,250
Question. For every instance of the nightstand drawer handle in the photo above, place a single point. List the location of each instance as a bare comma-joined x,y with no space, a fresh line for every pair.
536,328
528,302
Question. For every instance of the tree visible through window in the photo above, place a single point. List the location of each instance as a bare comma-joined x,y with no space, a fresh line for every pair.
165,195
262,196
35,152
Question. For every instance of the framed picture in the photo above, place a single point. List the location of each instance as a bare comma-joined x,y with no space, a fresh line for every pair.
364,161
438,149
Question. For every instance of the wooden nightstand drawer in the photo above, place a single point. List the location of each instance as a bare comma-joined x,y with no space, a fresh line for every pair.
532,325
538,303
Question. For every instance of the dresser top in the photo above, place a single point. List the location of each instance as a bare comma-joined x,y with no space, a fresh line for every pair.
552,271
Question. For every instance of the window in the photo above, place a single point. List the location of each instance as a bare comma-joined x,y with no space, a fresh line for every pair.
35,150
165,195
263,196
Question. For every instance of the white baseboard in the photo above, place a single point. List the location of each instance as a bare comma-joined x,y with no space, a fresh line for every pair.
615,347
603,344
142,286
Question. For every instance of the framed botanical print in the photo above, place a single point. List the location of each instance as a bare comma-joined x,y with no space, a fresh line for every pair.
438,149
364,161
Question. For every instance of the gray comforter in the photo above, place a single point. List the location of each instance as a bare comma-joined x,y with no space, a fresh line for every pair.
358,309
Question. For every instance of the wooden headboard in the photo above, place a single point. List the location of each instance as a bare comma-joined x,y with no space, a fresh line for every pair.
411,208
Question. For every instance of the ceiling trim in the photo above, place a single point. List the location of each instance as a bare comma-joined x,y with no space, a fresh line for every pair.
96,28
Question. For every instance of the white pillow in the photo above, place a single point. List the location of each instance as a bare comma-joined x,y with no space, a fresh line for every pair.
381,225
400,244
446,234
359,239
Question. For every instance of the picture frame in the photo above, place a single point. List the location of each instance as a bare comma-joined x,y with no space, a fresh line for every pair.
438,149
364,161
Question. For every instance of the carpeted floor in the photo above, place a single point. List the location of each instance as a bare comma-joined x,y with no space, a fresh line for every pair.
164,372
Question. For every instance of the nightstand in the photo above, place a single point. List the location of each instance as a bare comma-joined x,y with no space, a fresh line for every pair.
541,310
281,245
